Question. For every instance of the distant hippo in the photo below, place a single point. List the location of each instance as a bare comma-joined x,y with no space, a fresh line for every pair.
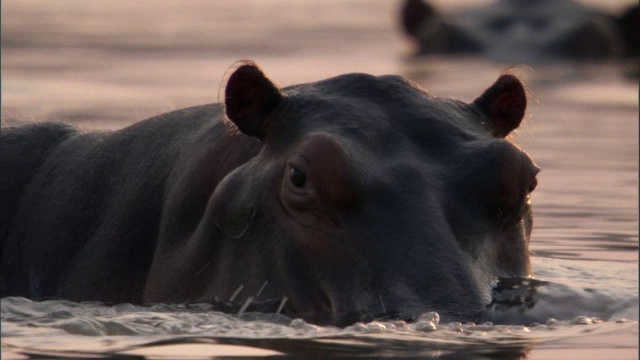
524,30
348,199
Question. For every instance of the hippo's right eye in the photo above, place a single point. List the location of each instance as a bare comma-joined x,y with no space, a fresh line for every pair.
297,177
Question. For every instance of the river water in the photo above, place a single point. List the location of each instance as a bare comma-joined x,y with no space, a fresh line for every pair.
107,63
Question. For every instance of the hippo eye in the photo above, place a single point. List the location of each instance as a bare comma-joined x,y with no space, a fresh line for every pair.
297,177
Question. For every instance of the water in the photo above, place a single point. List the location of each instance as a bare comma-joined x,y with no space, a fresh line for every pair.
105,64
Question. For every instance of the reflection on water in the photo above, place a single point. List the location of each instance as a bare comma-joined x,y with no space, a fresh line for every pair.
104,64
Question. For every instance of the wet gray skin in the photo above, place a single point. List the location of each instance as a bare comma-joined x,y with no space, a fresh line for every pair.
349,199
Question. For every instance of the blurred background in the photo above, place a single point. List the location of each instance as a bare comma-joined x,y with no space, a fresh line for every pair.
103,64
109,61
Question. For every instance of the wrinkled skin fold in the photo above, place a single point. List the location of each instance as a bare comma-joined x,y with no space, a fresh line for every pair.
352,198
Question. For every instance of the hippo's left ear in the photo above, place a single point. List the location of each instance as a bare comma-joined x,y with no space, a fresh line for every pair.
250,97
503,104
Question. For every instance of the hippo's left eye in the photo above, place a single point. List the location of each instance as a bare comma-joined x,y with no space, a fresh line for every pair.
297,177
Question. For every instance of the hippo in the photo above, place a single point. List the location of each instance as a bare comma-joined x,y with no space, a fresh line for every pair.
529,31
353,198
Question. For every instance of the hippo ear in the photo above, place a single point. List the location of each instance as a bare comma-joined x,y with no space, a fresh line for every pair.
629,26
250,97
414,14
503,104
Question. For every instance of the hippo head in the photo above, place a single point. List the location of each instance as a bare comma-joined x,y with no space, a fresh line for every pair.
523,30
371,198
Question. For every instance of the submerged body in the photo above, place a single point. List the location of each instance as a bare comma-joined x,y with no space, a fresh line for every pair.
353,198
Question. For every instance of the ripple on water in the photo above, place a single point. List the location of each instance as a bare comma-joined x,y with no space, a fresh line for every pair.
595,298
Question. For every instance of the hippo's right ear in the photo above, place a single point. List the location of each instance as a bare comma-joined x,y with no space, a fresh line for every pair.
250,97
503,104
